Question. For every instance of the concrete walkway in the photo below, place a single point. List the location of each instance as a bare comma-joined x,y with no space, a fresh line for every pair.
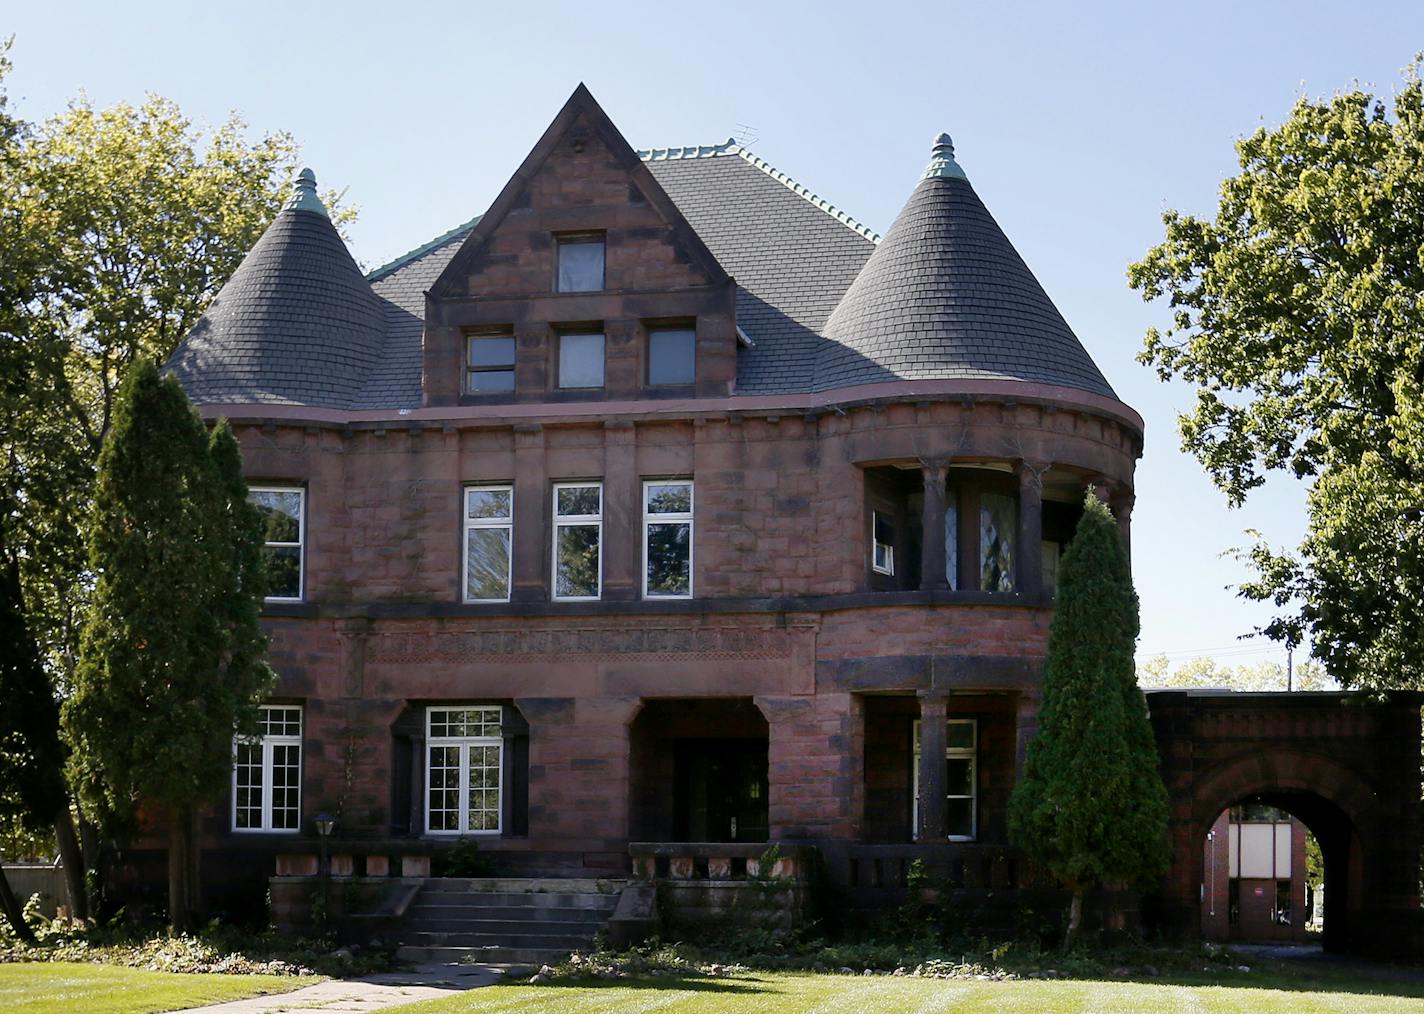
368,993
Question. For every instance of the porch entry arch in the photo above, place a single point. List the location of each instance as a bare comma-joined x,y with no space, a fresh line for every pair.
1345,764
1329,799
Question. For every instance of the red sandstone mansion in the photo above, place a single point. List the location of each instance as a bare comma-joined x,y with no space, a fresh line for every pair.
664,502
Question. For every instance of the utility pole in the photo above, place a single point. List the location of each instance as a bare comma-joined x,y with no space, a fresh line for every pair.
1290,668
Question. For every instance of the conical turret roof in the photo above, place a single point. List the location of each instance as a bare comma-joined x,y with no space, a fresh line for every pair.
297,323
945,295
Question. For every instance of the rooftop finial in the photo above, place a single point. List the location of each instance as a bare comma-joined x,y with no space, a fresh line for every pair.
304,196
942,164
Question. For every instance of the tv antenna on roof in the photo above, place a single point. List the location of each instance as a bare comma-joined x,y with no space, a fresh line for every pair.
746,135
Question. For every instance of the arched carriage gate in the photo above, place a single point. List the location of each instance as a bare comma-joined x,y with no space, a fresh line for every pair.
1347,766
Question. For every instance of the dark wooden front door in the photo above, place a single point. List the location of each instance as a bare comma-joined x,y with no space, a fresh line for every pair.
721,790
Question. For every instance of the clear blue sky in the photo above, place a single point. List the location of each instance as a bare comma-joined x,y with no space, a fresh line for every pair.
1077,123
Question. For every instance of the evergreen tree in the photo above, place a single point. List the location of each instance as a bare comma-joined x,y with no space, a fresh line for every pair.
1091,806
170,661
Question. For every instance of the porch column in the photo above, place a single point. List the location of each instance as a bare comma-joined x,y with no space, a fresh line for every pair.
932,552
933,709
1029,565
1026,727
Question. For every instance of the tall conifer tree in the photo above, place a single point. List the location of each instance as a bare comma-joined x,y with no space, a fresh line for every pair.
171,662
1091,806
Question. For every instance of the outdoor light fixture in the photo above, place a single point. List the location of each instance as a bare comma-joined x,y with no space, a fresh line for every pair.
325,824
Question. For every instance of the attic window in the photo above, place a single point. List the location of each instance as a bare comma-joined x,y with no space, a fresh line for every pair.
489,363
580,263
672,356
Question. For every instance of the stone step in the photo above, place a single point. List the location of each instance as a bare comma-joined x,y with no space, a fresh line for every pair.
519,957
502,899
547,941
546,920
527,885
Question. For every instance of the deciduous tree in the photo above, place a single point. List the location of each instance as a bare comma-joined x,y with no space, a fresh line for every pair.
1091,807
1298,315
117,228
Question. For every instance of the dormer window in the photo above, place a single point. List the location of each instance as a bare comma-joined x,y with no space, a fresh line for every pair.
489,363
580,267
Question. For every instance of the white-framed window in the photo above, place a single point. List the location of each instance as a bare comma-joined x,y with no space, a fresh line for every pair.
581,360
667,538
489,542
882,551
961,779
464,752
578,538
267,773
580,267
283,511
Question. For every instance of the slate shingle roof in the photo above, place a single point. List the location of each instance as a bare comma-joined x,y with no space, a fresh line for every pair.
945,295
297,323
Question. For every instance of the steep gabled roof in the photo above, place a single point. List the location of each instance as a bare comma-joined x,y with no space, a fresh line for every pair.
580,107
297,323
945,295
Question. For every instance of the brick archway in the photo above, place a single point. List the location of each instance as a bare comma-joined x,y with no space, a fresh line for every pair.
1347,767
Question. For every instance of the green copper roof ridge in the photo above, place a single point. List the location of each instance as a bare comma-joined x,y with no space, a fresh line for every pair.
731,147
376,274
304,197
942,164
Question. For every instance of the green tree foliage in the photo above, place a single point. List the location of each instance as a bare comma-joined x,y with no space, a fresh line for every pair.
1298,314
171,657
1091,807
117,228
1209,674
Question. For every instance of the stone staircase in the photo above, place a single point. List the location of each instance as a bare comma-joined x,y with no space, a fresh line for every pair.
505,921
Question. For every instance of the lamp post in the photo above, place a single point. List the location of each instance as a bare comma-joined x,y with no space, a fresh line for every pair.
325,824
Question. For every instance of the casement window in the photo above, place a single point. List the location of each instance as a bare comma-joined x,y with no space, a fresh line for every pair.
580,360
882,550
580,267
578,537
998,525
464,757
489,364
284,521
489,539
267,773
672,356
667,538
961,779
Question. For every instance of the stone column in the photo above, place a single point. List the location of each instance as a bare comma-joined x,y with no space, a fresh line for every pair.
1026,727
622,514
933,708
1028,566
531,515
932,553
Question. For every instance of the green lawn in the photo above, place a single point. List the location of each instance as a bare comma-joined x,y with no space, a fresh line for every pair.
799,992
63,988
